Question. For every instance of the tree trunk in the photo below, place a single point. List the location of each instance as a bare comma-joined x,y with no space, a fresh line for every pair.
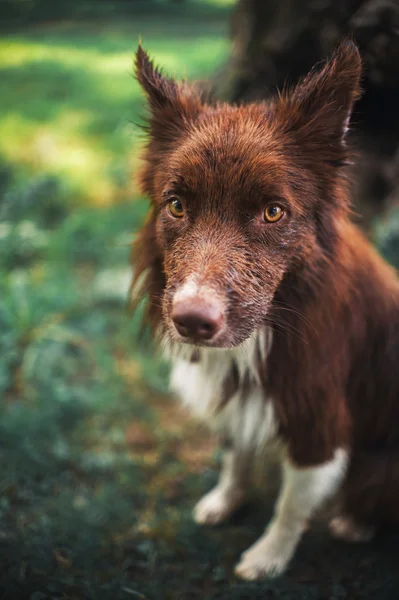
275,41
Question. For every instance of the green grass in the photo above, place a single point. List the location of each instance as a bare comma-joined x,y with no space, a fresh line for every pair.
69,104
99,468
90,444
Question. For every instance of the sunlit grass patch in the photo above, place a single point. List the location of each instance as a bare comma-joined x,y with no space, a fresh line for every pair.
69,102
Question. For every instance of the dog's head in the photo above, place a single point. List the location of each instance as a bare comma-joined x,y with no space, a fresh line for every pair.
241,196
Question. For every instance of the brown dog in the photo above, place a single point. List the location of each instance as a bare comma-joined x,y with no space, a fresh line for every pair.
281,319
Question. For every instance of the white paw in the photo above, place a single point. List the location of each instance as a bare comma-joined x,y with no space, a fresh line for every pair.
216,506
347,529
266,558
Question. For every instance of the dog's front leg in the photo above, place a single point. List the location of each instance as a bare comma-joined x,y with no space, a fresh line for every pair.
303,491
230,491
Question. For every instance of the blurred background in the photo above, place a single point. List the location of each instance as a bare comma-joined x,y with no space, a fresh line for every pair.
99,468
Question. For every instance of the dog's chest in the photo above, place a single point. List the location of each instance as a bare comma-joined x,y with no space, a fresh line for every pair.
223,387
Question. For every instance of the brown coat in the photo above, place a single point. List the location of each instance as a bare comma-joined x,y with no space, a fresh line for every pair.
331,301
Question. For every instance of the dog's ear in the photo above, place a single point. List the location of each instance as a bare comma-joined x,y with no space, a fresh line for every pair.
320,106
172,105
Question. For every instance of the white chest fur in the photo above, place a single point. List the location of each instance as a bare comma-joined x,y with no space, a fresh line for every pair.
247,417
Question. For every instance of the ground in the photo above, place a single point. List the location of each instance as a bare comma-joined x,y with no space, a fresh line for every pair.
99,467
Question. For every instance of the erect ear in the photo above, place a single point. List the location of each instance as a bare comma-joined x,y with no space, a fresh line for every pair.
172,105
321,104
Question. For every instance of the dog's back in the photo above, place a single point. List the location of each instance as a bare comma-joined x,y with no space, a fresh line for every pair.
344,336
372,491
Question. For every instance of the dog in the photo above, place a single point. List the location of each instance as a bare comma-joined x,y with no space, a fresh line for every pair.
281,320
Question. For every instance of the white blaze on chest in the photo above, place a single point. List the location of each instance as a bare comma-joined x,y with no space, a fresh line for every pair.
248,415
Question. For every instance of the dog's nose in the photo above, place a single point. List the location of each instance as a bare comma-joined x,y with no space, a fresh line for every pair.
197,319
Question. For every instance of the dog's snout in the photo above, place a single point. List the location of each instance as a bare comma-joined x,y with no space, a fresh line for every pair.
197,319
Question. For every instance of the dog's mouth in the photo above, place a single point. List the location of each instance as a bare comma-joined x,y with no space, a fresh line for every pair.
207,317
224,337
220,342
203,335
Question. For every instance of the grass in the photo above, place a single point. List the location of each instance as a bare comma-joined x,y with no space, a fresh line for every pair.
69,103
99,468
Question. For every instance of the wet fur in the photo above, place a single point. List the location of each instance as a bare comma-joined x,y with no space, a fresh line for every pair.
313,280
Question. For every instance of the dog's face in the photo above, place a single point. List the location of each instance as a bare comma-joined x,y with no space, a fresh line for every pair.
241,196
228,225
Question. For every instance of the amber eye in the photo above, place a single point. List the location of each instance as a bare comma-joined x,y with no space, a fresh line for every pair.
176,208
273,213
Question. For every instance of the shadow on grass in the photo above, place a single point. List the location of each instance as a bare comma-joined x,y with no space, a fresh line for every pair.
89,11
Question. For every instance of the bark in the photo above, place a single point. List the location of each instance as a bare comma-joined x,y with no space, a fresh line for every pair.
275,41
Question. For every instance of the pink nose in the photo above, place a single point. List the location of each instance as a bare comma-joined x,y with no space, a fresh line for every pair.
196,318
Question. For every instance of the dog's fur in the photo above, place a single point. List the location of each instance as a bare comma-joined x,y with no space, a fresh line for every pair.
307,358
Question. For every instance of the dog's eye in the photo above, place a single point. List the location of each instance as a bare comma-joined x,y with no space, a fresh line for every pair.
176,208
273,213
